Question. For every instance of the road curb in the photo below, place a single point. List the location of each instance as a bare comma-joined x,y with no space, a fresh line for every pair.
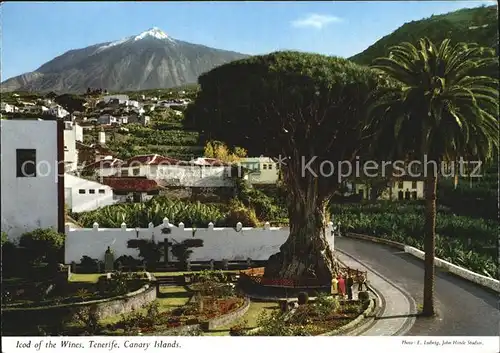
483,281
409,322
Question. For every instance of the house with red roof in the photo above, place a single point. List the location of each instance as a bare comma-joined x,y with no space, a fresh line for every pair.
200,173
133,189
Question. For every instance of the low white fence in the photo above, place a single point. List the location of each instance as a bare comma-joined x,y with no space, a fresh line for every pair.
233,244
457,270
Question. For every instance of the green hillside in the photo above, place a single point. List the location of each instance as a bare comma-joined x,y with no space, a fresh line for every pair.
477,25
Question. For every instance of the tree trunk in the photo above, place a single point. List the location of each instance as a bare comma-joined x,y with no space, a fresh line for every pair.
429,245
306,253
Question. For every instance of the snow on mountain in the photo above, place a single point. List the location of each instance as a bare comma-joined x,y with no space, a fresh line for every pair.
154,32
148,60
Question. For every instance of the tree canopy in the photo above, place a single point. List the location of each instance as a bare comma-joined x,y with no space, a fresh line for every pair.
287,103
306,108
447,104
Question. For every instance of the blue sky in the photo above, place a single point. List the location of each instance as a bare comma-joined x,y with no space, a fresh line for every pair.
34,33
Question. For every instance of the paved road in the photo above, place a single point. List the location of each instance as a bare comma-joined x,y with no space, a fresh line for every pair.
394,317
464,309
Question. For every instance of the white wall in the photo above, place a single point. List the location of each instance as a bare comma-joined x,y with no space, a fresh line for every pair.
218,243
86,202
28,202
70,151
189,176
72,133
102,137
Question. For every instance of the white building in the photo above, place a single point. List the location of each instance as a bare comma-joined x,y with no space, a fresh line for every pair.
8,108
122,98
170,172
57,111
138,110
134,104
404,189
31,185
72,133
82,195
262,170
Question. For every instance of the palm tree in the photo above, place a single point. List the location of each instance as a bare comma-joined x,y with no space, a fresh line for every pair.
444,105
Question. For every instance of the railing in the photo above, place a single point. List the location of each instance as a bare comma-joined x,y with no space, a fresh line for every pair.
256,276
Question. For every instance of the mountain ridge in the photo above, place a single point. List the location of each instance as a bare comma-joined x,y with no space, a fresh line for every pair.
154,60
471,25
148,60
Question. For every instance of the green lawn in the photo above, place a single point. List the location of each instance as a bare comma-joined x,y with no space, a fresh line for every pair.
94,277
174,297
85,277
170,298
250,316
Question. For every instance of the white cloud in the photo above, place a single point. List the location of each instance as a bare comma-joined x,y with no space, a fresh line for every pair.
315,21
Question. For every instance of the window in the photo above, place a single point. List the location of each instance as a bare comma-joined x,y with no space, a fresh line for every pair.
400,185
413,184
264,166
26,163
81,191
136,171
101,191
270,166
91,191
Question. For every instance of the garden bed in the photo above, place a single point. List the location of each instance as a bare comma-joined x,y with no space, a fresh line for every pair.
195,312
44,294
324,316
212,302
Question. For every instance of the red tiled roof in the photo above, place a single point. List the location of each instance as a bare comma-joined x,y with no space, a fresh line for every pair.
132,184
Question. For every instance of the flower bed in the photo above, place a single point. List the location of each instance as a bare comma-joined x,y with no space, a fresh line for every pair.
196,312
320,317
212,299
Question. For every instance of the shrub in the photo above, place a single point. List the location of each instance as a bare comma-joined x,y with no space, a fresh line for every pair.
88,263
42,245
127,261
89,318
182,251
239,328
5,238
150,251
363,296
240,213
303,298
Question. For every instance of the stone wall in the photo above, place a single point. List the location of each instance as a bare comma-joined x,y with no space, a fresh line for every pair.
13,317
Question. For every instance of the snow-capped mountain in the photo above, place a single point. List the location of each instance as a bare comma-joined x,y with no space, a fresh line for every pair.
151,59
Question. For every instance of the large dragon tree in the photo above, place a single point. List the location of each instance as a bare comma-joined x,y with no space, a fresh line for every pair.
305,109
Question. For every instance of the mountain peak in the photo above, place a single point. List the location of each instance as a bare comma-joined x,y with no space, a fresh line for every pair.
154,32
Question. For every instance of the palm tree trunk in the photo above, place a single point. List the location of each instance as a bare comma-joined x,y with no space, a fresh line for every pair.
429,245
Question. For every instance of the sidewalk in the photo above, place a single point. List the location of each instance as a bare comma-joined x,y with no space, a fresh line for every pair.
394,319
